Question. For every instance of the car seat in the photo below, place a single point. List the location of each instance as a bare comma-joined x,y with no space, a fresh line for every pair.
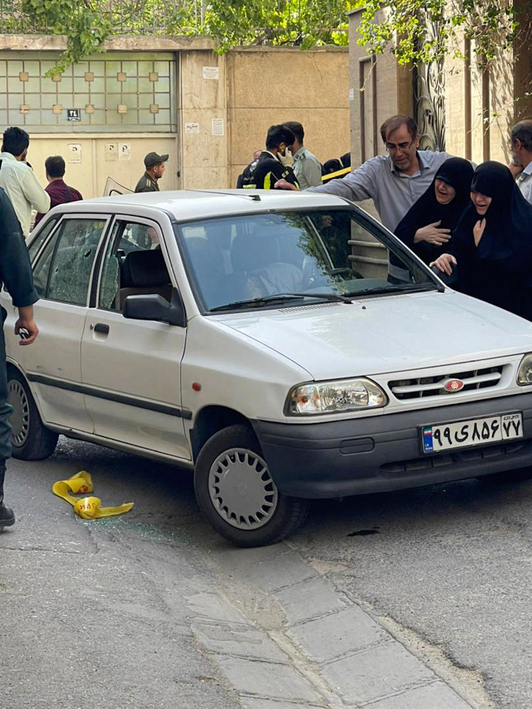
144,273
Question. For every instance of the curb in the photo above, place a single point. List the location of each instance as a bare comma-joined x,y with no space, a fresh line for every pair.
327,652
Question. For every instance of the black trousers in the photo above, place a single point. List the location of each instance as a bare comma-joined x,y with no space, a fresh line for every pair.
5,408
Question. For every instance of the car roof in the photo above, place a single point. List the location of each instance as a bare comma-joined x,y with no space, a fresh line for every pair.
185,205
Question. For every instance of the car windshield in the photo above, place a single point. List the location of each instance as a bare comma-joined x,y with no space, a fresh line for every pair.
294,258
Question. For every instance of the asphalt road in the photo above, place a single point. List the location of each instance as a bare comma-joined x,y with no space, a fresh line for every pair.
453,563
94,613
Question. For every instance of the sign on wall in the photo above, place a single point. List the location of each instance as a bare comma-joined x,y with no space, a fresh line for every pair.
73,114
111,152
124,151
211,72
74,153
218,126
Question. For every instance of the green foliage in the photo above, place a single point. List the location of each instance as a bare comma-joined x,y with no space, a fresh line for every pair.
416,31
88,23
421,31
303,23
84,24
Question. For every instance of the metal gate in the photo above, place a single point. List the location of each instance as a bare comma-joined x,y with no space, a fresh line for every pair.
429,102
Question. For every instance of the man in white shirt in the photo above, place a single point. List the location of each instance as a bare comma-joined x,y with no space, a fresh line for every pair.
18,179
521,165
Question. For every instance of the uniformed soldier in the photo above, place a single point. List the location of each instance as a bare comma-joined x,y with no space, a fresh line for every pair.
307,167
263,173
16,276
155,166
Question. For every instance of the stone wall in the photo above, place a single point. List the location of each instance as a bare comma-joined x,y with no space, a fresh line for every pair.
271,86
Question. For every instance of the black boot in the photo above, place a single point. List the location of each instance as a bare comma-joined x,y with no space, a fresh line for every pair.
7,517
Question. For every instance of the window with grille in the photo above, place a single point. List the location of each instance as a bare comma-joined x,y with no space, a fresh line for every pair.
126,92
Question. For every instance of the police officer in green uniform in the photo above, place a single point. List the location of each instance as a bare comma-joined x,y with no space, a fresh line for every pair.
263,173
16,276
155,166
306,166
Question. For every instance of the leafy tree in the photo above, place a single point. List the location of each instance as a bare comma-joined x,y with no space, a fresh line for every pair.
404,26
88,23
303,23
422,31
84,23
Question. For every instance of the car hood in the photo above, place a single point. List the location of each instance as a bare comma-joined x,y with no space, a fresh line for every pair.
386,334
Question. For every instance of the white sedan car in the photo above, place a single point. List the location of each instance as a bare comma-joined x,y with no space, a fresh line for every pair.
258,339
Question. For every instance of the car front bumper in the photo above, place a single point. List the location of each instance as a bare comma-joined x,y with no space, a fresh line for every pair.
383,453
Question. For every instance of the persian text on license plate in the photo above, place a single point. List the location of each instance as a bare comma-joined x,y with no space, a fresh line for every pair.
475,432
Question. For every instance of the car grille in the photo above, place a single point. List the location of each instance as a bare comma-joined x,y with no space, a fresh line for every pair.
485,378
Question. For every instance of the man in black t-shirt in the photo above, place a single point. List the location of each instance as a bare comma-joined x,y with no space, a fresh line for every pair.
263,173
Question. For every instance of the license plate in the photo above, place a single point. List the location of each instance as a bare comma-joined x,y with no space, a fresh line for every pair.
475,432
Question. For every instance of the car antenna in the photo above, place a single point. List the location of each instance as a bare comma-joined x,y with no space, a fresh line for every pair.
254,197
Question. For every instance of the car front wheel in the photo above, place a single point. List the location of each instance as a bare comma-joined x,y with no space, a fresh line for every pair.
236,493
30,439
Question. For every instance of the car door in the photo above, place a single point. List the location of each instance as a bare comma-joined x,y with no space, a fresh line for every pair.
131,368
62,274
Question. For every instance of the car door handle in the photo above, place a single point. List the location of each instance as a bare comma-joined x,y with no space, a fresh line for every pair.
101,327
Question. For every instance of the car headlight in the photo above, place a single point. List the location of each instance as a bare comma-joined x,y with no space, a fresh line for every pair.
524,375
335,397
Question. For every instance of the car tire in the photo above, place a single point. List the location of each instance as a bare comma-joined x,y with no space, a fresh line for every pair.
510,476
237,495
30,439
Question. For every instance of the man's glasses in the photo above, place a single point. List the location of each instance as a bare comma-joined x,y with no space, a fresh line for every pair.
391,148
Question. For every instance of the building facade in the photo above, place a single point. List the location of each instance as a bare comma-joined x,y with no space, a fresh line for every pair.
209,112
458,106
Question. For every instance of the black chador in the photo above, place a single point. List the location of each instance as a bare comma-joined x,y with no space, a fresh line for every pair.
457,173
498,269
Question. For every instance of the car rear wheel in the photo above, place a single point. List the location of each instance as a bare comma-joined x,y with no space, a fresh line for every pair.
30,439
508,476
236,493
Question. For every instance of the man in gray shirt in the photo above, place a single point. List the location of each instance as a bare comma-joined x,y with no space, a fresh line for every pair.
521,165
393,181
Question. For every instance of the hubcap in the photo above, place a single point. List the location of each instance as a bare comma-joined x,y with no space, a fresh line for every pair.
20,419
241,489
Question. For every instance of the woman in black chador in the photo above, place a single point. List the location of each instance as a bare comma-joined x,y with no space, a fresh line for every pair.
491,247
426,228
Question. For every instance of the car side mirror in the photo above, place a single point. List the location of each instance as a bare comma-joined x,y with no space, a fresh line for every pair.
449,281
155,307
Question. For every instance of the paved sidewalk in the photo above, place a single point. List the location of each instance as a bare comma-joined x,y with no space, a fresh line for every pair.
325,651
